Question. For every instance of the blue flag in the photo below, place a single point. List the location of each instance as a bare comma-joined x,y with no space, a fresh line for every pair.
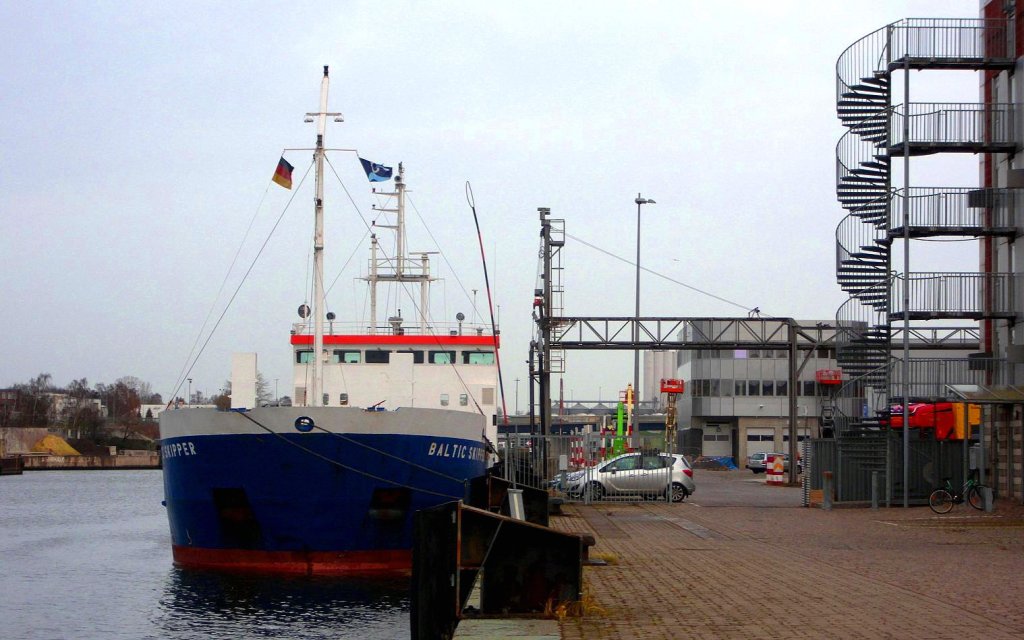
376,172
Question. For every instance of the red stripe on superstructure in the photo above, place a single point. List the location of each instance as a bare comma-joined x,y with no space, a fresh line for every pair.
442,341
396,562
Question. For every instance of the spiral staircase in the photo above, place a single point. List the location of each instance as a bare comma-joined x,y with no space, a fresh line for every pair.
880,213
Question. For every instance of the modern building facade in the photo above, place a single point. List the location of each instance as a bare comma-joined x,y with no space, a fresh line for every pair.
737,401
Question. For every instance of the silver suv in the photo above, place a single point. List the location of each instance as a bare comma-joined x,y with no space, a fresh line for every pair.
757,462
634,474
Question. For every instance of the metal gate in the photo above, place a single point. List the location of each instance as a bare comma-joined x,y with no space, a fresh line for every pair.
589,467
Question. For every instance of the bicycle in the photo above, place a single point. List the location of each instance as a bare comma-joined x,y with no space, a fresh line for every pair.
942,499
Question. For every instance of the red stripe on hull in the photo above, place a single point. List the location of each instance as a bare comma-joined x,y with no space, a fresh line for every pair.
393,562
489,341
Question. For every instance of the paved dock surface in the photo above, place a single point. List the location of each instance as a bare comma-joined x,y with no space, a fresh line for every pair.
741,559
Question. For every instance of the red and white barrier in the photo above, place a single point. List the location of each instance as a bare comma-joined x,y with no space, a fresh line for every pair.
775,470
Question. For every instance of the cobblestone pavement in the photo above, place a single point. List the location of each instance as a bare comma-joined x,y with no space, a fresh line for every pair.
712,568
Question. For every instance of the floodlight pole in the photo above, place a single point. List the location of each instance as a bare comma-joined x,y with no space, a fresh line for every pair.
635,427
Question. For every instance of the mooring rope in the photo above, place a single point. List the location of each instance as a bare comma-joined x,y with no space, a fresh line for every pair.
345,466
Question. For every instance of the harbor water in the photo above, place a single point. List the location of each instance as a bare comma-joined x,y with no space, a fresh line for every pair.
86,554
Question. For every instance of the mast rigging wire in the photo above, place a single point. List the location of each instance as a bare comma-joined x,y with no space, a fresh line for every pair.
490,303
245,277
661,275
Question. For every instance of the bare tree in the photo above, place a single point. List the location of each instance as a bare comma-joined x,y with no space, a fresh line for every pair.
262,389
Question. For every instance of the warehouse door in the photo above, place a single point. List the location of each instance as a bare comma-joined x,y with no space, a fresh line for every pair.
717,440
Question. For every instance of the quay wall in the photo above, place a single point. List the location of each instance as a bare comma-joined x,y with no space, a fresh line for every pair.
137,461
21,439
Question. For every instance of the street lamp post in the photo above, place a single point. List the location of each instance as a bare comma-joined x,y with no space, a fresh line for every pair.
190,392
635,435
277,398
517,396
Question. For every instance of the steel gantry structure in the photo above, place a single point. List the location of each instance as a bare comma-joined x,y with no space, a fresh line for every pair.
557,333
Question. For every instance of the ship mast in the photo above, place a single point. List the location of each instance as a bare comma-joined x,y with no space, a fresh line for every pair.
315,397
404,269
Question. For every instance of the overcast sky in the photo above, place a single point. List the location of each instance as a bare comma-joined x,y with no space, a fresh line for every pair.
139,139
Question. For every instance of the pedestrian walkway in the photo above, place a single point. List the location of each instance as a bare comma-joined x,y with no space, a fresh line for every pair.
698,570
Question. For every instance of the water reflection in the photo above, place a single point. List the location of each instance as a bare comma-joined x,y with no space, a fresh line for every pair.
202,604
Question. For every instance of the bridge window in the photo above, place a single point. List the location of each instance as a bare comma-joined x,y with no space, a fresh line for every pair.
477,357
441,357
463,399
377,356
444,399
304,357
346,356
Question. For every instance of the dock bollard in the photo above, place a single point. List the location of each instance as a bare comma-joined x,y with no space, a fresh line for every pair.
826,491
874,490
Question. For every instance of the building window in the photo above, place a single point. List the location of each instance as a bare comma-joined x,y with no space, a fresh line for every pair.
377,356
768,388
304,357
441,357
714,390
781,387
740,387
809,388
444,399
347,356
463,399
343,399
753,387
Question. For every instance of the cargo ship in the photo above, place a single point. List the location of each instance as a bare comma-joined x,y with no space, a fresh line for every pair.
386,419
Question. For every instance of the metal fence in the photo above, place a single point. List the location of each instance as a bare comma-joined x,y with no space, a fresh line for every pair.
853,461
589,467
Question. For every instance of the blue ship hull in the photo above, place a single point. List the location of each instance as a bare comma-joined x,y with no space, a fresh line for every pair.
308,502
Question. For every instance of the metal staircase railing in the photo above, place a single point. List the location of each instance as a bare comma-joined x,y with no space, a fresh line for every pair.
953,126
950,43
862,254
927,43
862,336
951,295
930,377
936,211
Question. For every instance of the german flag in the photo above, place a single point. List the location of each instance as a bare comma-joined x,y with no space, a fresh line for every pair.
283,175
